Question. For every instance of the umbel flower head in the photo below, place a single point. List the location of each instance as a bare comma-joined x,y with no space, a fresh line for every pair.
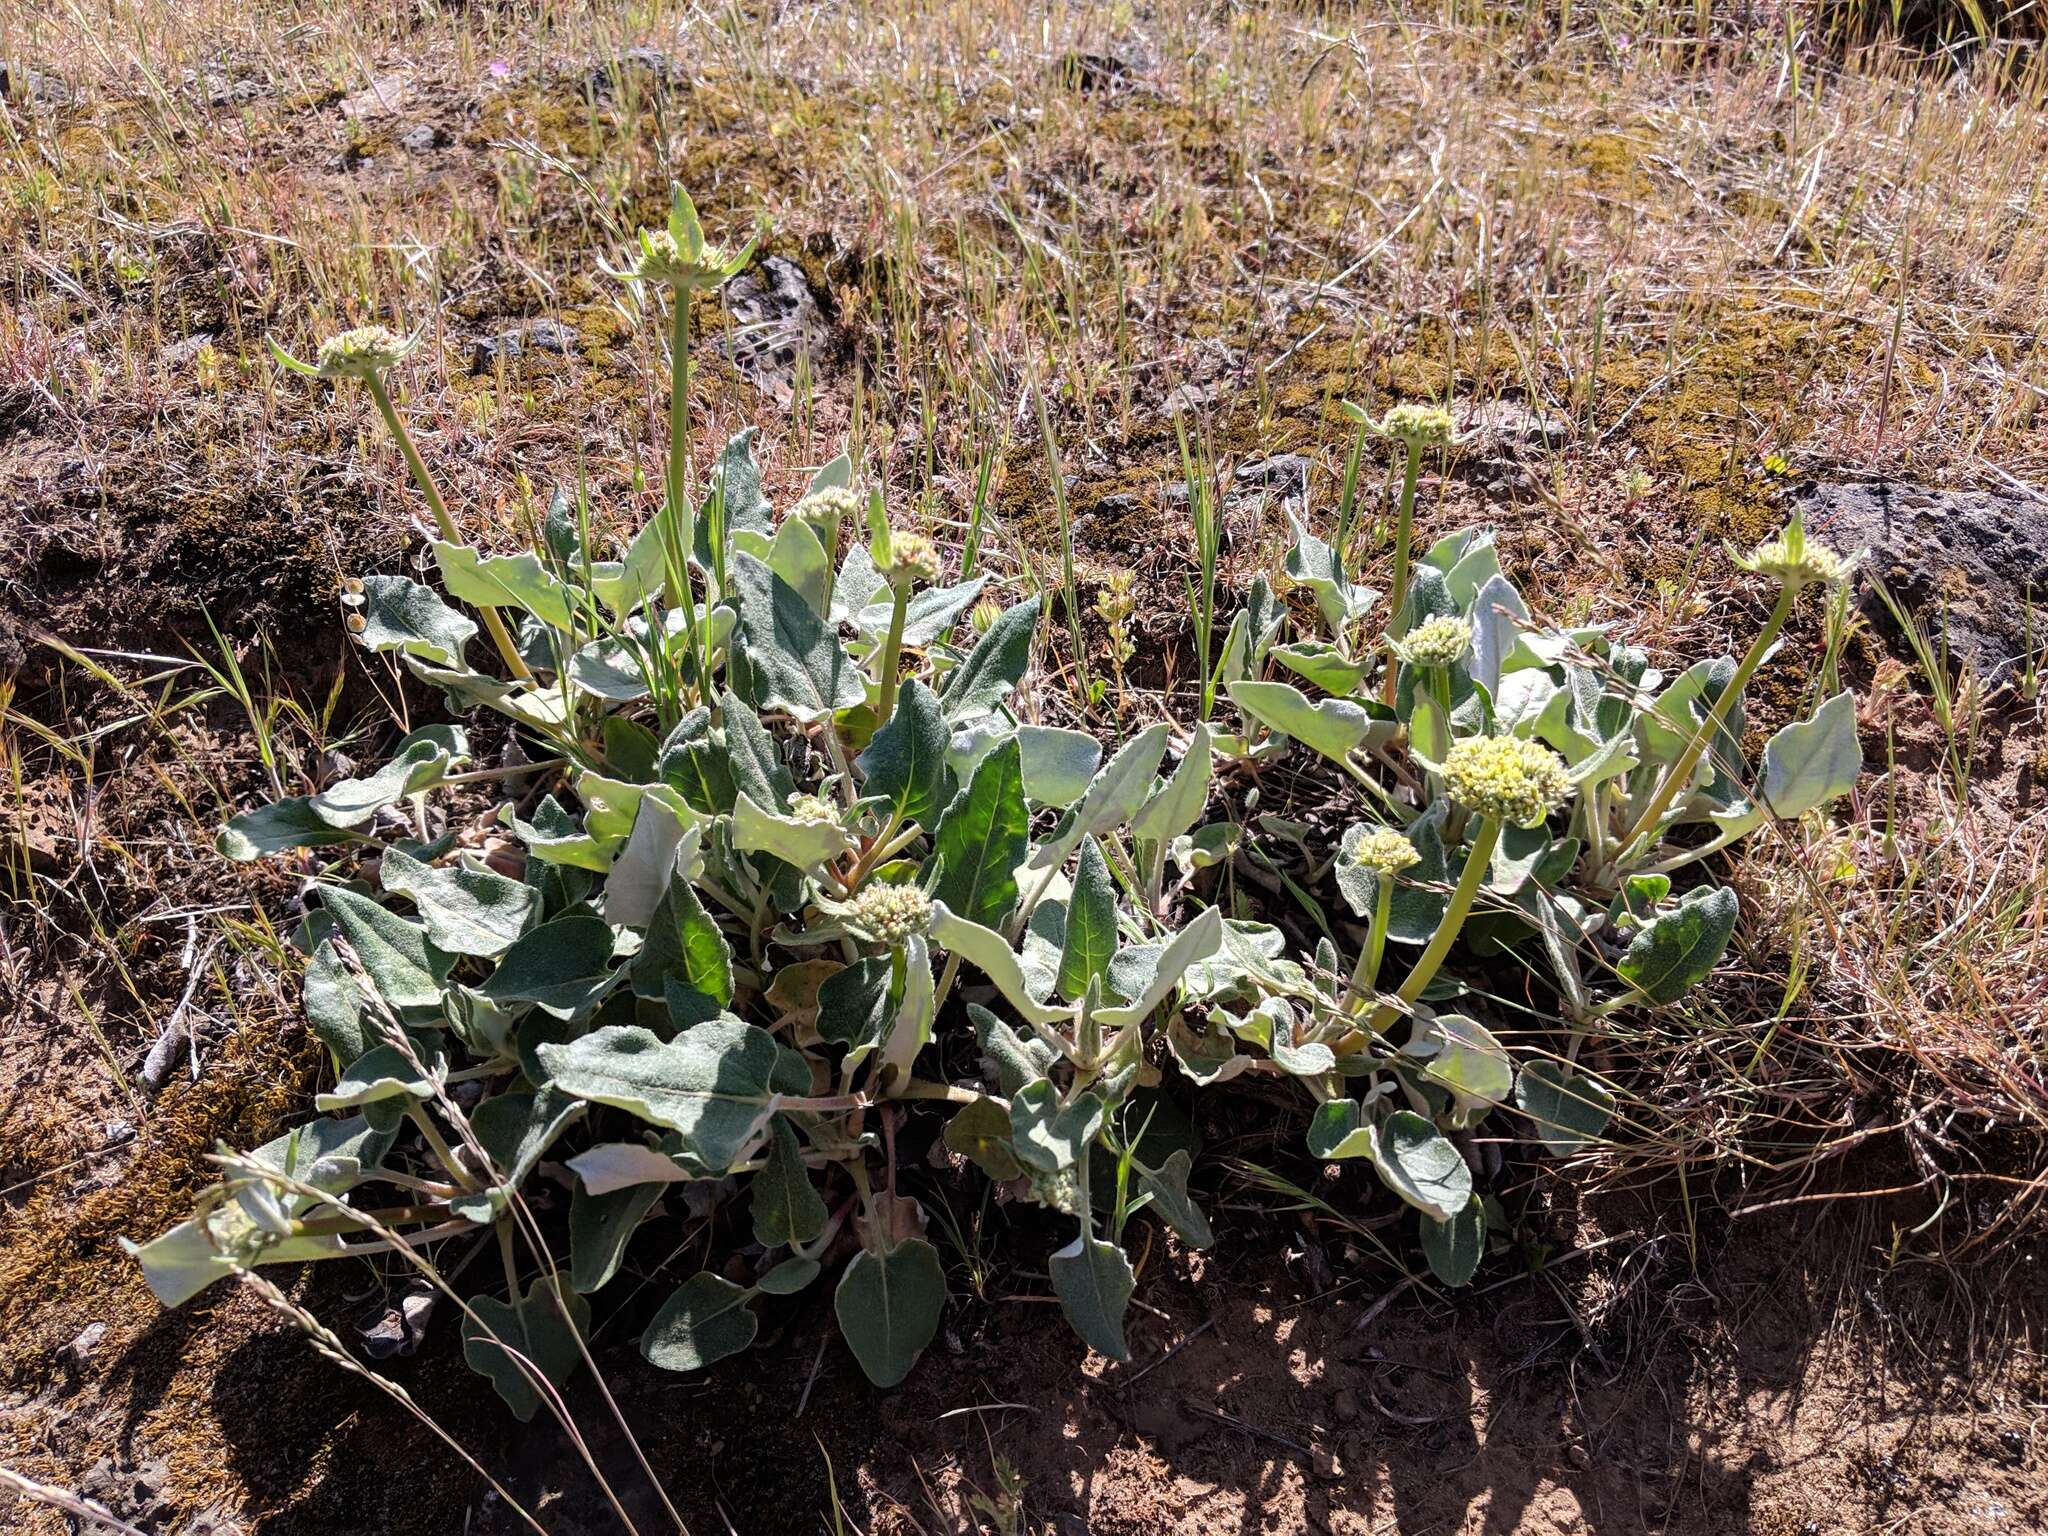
1383,851
679,256
367,351
890,914
823,510
1424,426
1796,562
912,557
1519,781
814,809
1438,642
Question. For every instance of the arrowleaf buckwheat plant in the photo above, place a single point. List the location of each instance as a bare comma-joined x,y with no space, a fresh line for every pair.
773,784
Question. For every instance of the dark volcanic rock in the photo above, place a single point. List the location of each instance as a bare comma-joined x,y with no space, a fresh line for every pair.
1963,561
645,68
779,319
523,339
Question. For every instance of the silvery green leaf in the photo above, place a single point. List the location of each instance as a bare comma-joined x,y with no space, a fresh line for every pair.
1423,893
981,1134
420,762
1094,1281
1810,762
189,1257
807,845
1091,924
381,1075
994,667
1271,1025
1113,798
541,709
1455,1247
838,473
401,615
1324,665
1516,858
1316,566
1246,956
1167,1184
888,1305
1233,661
794,662
276,828
739,483
555,837
1333,727
561,967
1570,1108
1521,701
467,911
1207,1055
696,765
503,581
1495,609
915,1010
1058,763
1429,597
1177,804
1467,560
785,1207
854,1006
515,1129
799,559
981,838
541,1328
1196,942
600,1226
1665,728
1050,1135
856,585
789,1277
623,585
607,670
685,946
1677,949
646,865
334,1007
906,761
407,970
615,1165
929,616
1421,1165
704,1320
1461,1054
757,766
1017,1059
1206,847
713,1083
990,953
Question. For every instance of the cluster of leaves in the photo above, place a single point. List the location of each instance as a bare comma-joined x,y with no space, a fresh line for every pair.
800,792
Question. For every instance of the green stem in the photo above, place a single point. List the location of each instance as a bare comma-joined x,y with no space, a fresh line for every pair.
442,1151
679,530
493,625
1404,525
1440,942
892,653
1365,975
1681,771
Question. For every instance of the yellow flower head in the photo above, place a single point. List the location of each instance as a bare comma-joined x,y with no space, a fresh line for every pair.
1384,851
912,557
1519,781
1426,426
357,354
1795,562
986,612
812,809
891,914
824,510
1438,642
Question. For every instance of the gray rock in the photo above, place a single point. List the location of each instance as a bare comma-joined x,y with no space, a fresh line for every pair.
643,67
779,320
1512,424
1962,561
527,337
423,138
1258,483
23,83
